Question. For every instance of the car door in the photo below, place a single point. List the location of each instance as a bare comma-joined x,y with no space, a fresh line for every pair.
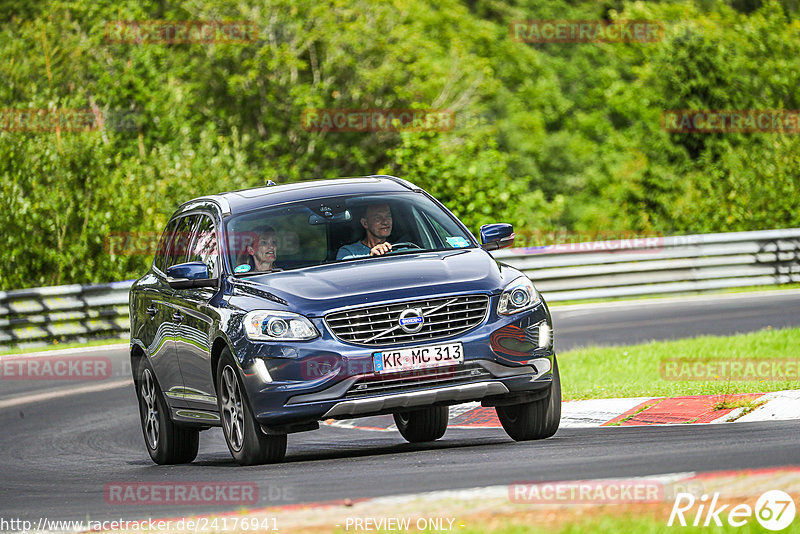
194,329
163,354
150,321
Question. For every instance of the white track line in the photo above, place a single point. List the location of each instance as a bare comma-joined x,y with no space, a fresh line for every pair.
66,392
655,301
61,352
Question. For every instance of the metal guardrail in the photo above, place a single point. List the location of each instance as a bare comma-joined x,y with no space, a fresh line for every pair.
30,317
594,270
678,264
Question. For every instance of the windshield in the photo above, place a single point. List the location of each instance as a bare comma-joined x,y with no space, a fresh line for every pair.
328,230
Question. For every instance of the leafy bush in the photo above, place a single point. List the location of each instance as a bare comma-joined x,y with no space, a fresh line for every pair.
547,136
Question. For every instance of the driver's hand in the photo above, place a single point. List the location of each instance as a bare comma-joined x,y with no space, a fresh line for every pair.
380,249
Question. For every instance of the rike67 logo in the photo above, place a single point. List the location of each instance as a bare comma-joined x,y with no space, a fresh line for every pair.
774,510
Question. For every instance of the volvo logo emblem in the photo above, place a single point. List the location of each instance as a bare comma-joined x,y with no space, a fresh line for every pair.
411,320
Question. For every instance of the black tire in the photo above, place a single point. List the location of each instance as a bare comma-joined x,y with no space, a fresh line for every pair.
534,420
167,442
426,424
246,441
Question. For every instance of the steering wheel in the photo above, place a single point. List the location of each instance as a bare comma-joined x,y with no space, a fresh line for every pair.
404,245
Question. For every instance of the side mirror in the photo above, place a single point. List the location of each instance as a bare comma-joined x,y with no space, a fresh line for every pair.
497,236
188,275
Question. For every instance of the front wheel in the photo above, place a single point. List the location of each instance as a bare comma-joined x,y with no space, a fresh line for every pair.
166,442
427,424
246,441
534,420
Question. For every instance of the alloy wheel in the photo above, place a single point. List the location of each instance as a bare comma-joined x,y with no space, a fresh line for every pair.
150,422
232,408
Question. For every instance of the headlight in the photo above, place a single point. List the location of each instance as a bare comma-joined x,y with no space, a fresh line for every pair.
262,325
518,296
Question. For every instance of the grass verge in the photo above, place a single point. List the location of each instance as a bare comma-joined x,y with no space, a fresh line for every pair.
726,291
638,370
491,510
645,520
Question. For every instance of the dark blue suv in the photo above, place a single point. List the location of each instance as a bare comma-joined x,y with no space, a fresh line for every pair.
268,310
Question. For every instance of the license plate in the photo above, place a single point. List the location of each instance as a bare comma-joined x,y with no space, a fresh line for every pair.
392,361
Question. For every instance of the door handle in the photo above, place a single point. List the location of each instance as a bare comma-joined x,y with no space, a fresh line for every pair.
152,311
177,317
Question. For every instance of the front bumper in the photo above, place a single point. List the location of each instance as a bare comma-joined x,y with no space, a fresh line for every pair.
326,378
411,399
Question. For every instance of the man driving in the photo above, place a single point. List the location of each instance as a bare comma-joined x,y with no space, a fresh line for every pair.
377,221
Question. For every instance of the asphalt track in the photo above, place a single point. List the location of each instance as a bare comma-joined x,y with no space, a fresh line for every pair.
60,451
623,323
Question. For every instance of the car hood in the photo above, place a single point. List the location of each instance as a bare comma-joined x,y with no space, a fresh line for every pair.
314,291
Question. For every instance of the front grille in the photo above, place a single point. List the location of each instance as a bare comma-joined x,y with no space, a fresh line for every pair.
420,379
376,326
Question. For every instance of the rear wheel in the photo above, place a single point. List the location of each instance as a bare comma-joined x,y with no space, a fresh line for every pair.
534,420
166,442
246,441
426,424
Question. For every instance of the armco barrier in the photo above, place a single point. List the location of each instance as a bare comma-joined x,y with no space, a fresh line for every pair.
73,312
603,269
677,264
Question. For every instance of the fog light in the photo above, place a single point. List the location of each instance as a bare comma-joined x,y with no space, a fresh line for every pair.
544,335
261,370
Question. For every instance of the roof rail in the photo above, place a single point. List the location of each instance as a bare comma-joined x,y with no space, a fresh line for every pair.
219,200
404,183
